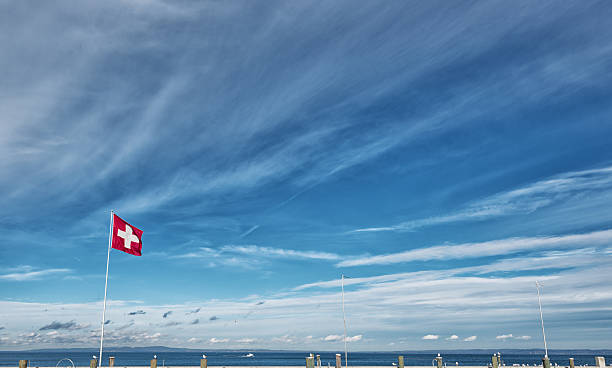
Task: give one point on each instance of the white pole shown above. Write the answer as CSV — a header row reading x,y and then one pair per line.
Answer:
x,y
110,236
344,318
538,286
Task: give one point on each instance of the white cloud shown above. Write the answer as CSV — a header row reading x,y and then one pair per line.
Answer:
x,y
332,338
193,340
488,248
340,338
470,338
430,337
354,338
524,337
215,340
504,337
452,337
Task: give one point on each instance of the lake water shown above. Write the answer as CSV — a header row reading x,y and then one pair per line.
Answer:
x,y
263,358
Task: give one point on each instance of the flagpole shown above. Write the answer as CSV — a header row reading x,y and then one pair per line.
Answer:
x,y
538,286
344,318
110,235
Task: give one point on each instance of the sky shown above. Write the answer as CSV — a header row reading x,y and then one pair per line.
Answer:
x,y
443,156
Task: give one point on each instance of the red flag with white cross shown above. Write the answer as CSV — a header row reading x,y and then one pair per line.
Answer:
x,y
126,237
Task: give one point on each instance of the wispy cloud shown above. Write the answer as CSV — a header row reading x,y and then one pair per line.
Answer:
x,y
470,338
244,255
452,337
279,252
430,337
526,199
484,249
29,273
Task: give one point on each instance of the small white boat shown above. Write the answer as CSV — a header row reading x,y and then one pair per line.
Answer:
x,y
249,355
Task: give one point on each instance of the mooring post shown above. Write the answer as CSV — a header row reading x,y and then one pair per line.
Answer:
x,y
571,362
318,361
494,362
154,363
203,362
400,361
93,363
309,362
111,361
545,362
600,361
338,361
23,364
439,361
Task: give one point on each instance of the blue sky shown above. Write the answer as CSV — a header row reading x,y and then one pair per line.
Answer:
x,y
444,156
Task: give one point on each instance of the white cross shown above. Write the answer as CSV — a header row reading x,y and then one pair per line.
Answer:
x,y
127,236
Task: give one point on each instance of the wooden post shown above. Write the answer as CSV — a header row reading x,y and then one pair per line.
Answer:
x,y
154,363
439,361
204,363
494,362
400,361
571,363
93,363
23,364
545,362
309,362
318,361
600,361
338,361
111,361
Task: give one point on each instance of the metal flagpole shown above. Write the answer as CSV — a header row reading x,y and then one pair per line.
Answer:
x,y
344,318
110,236
538,286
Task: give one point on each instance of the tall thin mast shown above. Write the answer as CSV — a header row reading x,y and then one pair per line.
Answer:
x,y
538,286
110,235
344,318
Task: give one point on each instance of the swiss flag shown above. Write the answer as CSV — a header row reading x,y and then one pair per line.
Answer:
x,y
126,237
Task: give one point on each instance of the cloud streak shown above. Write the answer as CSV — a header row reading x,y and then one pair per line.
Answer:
x,y
485,249
28,273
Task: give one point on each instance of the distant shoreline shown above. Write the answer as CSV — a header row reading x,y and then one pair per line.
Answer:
x,y
164,349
